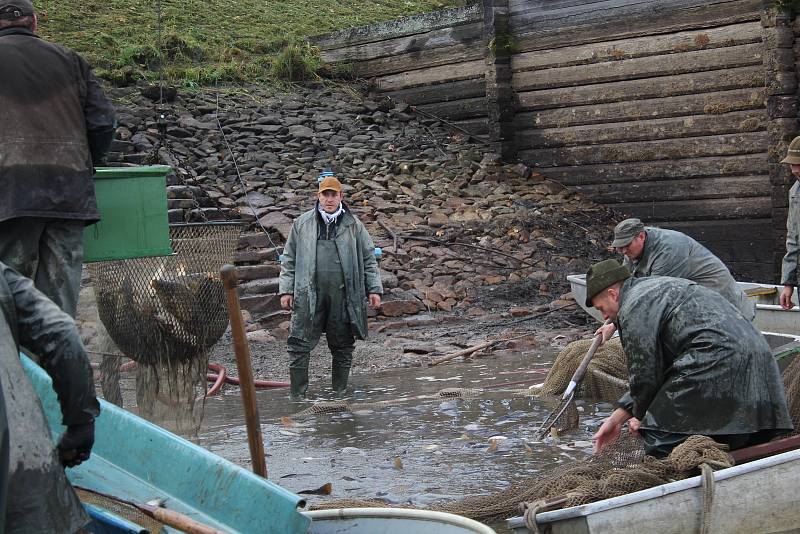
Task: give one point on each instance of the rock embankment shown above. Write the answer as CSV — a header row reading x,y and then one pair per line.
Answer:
x,y
460,231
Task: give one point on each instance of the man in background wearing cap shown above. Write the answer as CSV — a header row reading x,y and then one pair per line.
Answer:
x,y
652,251
789,272
695,364
55,124
328,272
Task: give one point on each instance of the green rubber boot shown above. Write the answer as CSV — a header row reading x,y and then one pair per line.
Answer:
x,y
298,378
339,376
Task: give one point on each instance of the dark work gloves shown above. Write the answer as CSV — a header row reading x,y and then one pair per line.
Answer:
x,y
75,444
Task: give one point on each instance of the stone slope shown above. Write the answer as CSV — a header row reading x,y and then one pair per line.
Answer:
x,y
473,234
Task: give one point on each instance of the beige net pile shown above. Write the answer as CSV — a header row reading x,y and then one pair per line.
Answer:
x,y
619,469
165,313
605,378
791,383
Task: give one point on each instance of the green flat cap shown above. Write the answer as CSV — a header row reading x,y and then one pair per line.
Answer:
x,y
625,231
603,274
793,154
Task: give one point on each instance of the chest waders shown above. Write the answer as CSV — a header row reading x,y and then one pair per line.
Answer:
x,y
331,317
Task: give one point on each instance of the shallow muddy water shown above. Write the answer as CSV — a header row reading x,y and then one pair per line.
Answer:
x,y
416,451
412,451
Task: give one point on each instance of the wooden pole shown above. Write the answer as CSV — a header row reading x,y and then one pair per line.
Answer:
x,y
242,350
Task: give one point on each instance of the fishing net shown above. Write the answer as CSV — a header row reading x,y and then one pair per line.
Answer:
x,y
791,383
608,361
165,313
121,509
620,468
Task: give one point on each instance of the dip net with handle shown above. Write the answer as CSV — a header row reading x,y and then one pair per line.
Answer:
x,y
620,468
166,313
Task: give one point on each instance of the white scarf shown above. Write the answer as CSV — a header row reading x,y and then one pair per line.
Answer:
x,y
330,217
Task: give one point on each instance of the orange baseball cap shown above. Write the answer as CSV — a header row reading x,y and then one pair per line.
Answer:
x,y
330,183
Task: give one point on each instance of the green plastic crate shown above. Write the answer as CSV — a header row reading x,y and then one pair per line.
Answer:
x,y
133,210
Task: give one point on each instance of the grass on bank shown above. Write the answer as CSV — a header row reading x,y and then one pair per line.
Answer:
x,y
204,42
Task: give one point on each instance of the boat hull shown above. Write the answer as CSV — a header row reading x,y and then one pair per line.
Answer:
x,y
759,496
135,460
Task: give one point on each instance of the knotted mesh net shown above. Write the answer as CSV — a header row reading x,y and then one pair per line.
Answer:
x,y
165,313
620,468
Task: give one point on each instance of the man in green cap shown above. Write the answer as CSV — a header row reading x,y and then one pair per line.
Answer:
x,y
789,272
328,273
650,251
695,364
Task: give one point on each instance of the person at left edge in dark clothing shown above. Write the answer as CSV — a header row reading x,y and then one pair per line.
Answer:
x,y
39,496
55,126
328,274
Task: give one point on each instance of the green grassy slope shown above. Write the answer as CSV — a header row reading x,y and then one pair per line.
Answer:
x,y
204,41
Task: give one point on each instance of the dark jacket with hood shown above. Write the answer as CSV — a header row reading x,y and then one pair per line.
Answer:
x,y
55,125
695,364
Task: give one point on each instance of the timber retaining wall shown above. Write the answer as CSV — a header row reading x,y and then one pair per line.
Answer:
x,y
675,111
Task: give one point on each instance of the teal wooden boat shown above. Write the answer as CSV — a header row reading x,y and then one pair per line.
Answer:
x,y
137,461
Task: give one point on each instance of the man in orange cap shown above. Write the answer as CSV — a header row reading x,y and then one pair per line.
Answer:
x,y
328,273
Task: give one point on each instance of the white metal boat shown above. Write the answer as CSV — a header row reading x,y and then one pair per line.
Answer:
x,y
770,317
759,496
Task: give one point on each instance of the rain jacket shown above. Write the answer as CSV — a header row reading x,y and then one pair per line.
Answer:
x,y
298,270
671,253
56,124
41,499
789,274
695,365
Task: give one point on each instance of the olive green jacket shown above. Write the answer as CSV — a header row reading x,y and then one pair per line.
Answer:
x,y
359,267
671,253
695,365
789,274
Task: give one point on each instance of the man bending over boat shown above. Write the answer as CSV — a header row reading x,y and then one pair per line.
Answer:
x,y
40,498
649,251
695,364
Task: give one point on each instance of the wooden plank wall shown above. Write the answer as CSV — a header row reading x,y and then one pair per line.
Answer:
x,y
433,61
655,108
675,111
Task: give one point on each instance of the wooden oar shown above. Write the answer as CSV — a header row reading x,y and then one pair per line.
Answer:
x,y
171,518
242,350
569,392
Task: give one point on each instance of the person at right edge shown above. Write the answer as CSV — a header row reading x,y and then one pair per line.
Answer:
x,y
39,498
696,365
789,272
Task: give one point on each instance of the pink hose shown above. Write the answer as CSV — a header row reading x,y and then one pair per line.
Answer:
x,y
260,384
219,378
